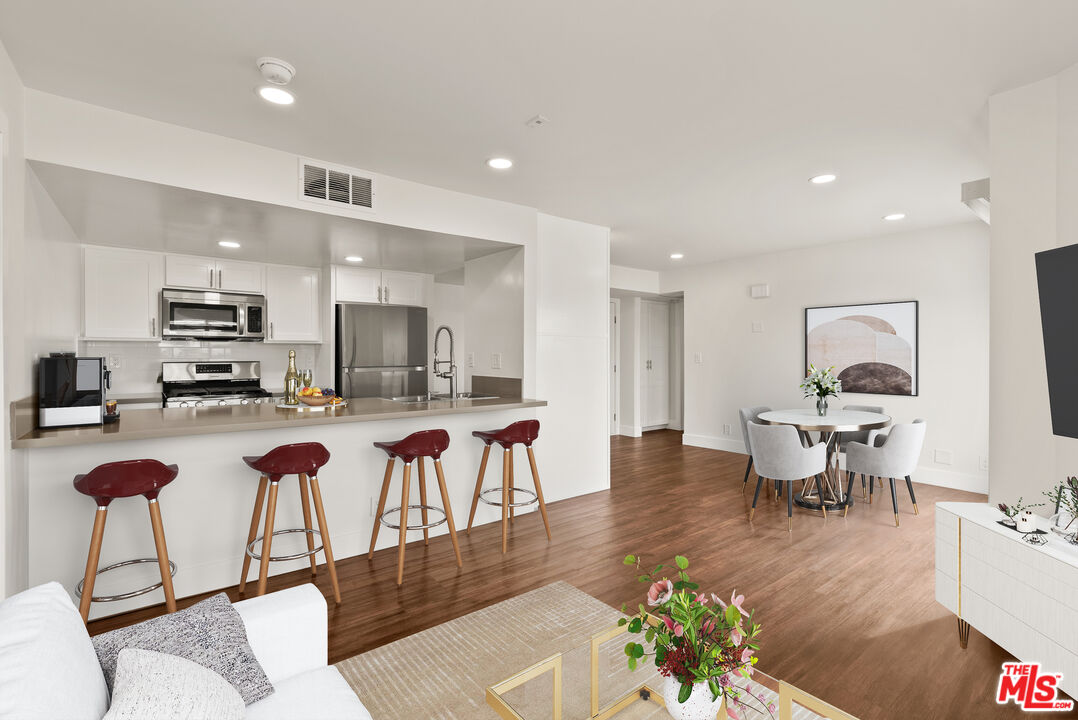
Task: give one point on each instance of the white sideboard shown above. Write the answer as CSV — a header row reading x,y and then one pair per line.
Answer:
x,y
1022,597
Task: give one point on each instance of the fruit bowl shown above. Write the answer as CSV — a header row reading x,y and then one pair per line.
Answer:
x,y
315,400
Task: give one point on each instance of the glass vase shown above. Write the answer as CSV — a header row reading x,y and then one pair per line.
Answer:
x,y
821,406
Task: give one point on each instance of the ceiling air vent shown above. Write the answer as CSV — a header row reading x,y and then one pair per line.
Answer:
x,y
335,185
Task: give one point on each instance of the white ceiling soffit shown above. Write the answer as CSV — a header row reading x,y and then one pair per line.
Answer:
x,y
121,212
689,126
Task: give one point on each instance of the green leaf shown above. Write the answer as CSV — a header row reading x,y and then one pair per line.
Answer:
x,y
682,562
630,560
638,651
632,663
649,636
622,621
634,625
644,578
629,649
684,693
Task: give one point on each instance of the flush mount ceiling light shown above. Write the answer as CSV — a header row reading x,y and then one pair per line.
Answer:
x,y
276,95
278,73
823,179
228,243
500,163
676,256
895,216
354,258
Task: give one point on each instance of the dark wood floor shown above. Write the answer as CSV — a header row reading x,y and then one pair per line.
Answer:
x,y
847,606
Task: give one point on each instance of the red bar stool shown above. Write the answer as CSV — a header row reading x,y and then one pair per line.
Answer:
x,y
304,460
417,446
523,432
124,479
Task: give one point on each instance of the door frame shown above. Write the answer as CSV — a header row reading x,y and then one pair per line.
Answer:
x,y
614,367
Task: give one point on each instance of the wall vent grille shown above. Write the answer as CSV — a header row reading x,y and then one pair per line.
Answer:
x,y
336,186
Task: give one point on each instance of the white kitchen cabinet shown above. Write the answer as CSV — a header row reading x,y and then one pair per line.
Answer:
x,y
189,271
655,377
384,287
293,304
121,291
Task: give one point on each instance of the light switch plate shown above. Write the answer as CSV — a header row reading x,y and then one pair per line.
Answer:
x,y
944,457
698,358
495,361
726,429
115,361
757,326
471,359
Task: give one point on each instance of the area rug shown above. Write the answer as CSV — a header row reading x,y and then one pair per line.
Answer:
x,y
442,673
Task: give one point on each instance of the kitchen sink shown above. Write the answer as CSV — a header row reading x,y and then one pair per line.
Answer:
x,y
466,396
410,398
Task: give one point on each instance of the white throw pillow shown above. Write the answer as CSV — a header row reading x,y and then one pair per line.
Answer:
x,y
48,667
168,687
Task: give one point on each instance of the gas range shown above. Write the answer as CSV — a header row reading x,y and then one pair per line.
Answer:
x,y
202,384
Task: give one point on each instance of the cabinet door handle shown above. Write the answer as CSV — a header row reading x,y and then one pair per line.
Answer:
x,y
211,277
271,331
379,293
153,327
220,279
387,293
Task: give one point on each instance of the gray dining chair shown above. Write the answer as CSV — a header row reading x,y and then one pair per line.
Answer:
x,y
749,414
778,455
893,455
860,436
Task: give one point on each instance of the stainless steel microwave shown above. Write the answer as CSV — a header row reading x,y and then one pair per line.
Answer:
x,y
203,315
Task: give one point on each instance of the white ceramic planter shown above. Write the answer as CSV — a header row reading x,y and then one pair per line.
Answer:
x,y
699,706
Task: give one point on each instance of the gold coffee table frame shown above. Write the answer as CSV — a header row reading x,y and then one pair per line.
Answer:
x,y
788,694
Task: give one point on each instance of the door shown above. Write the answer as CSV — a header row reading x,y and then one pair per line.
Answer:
x,y
615,345
357,285
233,276
402,288
655,343
186,271
293,304
121,290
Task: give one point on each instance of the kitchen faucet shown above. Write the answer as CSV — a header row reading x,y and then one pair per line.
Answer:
x,y
451,373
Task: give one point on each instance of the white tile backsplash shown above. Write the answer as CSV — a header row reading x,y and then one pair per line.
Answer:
x,y
140,363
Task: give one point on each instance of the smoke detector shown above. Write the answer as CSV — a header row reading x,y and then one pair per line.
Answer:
x,y
276,71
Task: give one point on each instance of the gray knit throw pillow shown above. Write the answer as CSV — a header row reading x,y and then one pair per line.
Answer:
x,y
210,633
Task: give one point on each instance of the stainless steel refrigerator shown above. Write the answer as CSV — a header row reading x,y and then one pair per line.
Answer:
x,y
381,351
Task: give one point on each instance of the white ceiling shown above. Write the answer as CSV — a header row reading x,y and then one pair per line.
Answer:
x,y
689,125
120,212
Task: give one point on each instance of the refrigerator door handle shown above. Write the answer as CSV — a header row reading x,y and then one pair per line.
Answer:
x,y
384,368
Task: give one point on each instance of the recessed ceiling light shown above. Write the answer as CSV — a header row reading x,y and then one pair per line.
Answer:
x,y
676,256
894,216
354,258
276,95
228,243
500,163
823,179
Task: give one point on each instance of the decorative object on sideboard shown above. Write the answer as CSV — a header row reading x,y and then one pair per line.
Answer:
x,y
699,647
821,384
1011,512
1025,522
872,347
1065,499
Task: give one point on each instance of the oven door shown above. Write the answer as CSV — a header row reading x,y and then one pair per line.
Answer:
x,y
200,315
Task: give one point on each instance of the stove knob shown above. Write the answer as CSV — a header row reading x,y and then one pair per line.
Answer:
x,y
222,402
245,401
199,403
184,404
258,401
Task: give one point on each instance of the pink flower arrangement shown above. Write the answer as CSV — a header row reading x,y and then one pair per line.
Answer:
x,y
696,642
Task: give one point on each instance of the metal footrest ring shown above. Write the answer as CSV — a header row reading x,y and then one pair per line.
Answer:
x,y
422,526
133,593
534,498
279,558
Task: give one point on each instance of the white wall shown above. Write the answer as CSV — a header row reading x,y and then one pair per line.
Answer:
x,y
634,279
946,269
1034,170
629,381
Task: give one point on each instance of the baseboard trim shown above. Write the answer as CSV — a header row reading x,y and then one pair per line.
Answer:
x,y
630,431
714,443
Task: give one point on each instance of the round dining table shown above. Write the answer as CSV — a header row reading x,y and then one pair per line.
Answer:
x,y
829,495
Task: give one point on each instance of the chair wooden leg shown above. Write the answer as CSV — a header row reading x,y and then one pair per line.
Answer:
x,y
404,523
756,496
819,491
91,562
894,500
381,506
162,555
748,469
539,491
267,537
421,463
913,498
448,510
505,500
260,498
324,530
849,490
512,486
478,487
305,500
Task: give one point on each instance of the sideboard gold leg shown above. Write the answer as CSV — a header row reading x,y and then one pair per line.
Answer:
x,y
963,633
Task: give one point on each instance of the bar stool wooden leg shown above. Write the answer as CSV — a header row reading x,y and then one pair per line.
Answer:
x,y
539,491
478,486
260,497
324,529
381,505
404,522
305,500
421,463
162,555
512,486
448,510
505,500
91,562
267,538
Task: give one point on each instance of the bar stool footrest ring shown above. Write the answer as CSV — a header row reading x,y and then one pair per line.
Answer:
x,y
497,503
133,593
421,526
279,558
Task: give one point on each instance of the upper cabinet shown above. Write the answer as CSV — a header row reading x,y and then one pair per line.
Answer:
x,y
385,287
293,304
188,271
121,289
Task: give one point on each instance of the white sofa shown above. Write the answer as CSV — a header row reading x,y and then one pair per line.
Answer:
x,y
48,668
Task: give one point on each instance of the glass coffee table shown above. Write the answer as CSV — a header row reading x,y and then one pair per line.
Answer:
x,y
592,681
